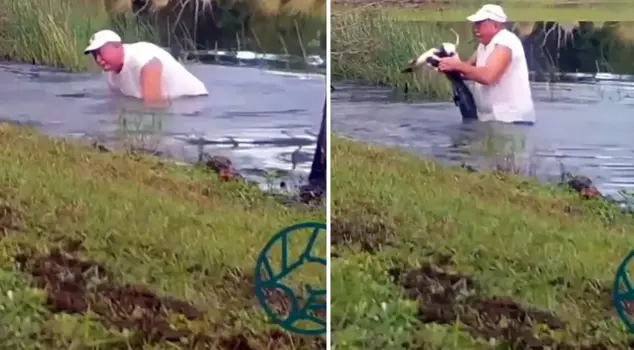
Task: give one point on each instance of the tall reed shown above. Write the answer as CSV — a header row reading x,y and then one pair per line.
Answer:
x,y
55,32
374,47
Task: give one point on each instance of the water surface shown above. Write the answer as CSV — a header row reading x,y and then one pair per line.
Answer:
x,y
264,120
586,126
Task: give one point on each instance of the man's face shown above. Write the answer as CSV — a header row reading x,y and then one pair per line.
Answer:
x,y
109,57
485,31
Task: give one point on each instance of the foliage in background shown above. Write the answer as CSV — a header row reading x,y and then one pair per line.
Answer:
x,y
55,32
373,46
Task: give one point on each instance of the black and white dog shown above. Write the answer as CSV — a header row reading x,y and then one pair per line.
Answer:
x,y
462,96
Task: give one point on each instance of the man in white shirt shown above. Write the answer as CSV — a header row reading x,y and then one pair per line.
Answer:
x,y
498,69
142,70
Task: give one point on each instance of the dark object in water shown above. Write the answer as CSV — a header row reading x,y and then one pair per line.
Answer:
x,y
317,177
462,96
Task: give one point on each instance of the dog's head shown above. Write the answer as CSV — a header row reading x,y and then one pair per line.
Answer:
x,y
432,57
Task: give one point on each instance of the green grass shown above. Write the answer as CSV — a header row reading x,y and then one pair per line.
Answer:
x,y
540,246
179,231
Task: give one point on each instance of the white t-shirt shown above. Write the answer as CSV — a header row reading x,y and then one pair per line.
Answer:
x,y
176,80
509,100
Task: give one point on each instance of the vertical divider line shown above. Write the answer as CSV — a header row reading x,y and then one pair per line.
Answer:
x,y
328,173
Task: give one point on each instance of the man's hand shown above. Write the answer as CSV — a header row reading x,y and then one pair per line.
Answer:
x,y
448,64
151,84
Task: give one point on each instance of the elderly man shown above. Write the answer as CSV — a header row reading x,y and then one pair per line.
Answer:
x,y
498,68
142,70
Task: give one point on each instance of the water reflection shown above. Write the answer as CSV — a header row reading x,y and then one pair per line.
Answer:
x,y
262,120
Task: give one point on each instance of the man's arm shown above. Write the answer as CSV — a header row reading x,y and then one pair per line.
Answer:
x,y
497,63
151,82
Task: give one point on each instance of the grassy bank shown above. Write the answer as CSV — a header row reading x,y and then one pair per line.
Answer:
x,y
374,46
55,32
430,257
105,251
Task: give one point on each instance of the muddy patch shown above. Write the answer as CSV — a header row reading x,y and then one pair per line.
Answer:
x,y
448,298
236,283
11,220
76,286
371,236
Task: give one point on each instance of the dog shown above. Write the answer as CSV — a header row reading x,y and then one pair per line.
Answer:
x,y
462,96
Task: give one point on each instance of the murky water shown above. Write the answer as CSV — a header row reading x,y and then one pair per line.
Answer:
x,y
263,120
586,126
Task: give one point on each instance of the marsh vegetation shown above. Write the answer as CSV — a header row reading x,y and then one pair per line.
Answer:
x,y
373,46
55,32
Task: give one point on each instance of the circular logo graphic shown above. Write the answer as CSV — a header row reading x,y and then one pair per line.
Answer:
x,y
304,313
623,293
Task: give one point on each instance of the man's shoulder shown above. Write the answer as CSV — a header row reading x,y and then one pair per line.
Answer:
x,y
506,37
142,52
143,46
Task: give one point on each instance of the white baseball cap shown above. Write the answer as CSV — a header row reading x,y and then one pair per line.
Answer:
x,y
101,38
489,12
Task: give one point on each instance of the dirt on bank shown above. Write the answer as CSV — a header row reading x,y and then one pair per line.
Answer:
x,y
76,286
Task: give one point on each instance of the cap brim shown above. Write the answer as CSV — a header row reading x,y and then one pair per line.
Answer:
x,y
476,18
93,47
